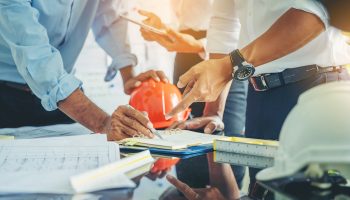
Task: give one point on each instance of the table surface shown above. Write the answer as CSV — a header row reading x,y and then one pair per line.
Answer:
x,y
151,186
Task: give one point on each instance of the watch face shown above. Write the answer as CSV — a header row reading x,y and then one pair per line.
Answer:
x,y
244,72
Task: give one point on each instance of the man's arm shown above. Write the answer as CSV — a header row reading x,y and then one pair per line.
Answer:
x,y
78,107
291,31
41,66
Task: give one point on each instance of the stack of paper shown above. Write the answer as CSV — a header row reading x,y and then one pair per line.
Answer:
x,y
177,139
46,165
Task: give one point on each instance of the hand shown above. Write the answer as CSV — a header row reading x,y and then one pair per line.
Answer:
x,y
134,82
211,193
155,174
152,20
209,123
180,42
204,82
127,122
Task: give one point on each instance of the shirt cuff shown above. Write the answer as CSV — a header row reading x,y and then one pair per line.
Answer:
x,y
204,54
123,60
313,7
65,86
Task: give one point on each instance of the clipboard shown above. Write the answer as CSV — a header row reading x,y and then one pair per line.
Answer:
x,y
160,32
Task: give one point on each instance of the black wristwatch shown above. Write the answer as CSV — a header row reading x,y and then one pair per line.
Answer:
x,y
242,70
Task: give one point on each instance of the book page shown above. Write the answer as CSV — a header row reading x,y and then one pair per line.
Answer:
x,y
174,139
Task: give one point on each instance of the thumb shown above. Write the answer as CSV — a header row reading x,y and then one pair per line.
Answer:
x,y
131,85
213,126
145,13
173,34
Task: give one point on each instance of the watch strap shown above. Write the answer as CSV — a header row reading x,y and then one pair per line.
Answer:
x,y
236,58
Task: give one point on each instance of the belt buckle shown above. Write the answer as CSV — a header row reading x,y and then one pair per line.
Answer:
x,y
263,83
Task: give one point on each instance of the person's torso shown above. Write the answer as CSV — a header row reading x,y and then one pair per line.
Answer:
x,y
193,14
256,17
67,23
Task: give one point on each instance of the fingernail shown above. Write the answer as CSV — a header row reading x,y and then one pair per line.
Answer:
x,y
166,80
149,125
157,79
138,83
207,130
170,177
180,85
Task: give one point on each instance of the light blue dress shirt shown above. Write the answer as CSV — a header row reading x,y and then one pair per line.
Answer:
x,y
40,41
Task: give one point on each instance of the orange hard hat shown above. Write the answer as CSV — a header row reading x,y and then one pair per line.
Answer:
x,y
157,99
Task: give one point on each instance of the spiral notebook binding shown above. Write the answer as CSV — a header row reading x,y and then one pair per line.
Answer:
x,y
165,132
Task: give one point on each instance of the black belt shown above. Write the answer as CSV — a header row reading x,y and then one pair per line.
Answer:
x,y
265,82
18,86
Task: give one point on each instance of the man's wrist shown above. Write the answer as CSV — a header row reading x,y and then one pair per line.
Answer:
x,y
107,124
227,66
127,73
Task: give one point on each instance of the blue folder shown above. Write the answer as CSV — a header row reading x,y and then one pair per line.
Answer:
x,y
194,150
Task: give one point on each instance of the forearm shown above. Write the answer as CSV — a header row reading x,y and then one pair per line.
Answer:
x,y
217,107
221,176
127,73
291,31
78,107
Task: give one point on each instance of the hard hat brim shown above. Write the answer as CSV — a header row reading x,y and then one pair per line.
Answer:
x,y
272,173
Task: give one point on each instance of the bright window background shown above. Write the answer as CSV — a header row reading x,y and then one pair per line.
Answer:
x,y
93,61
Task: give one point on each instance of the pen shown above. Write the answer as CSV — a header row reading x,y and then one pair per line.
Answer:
x,y
155,132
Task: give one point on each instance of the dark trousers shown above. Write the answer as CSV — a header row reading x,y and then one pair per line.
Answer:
x,y
266,111
22,108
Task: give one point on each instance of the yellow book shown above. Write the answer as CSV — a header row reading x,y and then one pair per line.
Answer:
x,y
7,137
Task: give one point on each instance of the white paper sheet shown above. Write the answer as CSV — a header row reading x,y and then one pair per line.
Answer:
x,y
45,165
46,131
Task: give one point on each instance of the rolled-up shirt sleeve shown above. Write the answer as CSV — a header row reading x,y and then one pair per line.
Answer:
x,y
111,34
39,63
224,27
314,7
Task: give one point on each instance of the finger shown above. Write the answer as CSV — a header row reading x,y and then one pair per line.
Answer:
x,y
162,174
182,105
175,35
131,132
174,125
196,123
146,13
166,42
153,74
162,76
213,126
186,78
182,187
147,35
140,117
130,85
134,128
149,74
189,87
116,134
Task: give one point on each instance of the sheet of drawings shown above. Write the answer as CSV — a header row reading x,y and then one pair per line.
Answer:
x,y
75,153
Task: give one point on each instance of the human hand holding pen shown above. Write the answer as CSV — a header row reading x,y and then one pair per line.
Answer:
x,y
150,125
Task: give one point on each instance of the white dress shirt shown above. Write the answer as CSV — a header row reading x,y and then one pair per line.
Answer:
x,y
192,14
330,48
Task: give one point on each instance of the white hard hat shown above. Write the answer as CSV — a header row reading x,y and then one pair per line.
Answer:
x,y
316,132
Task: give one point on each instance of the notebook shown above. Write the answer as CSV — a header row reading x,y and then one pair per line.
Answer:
x,y
172,139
